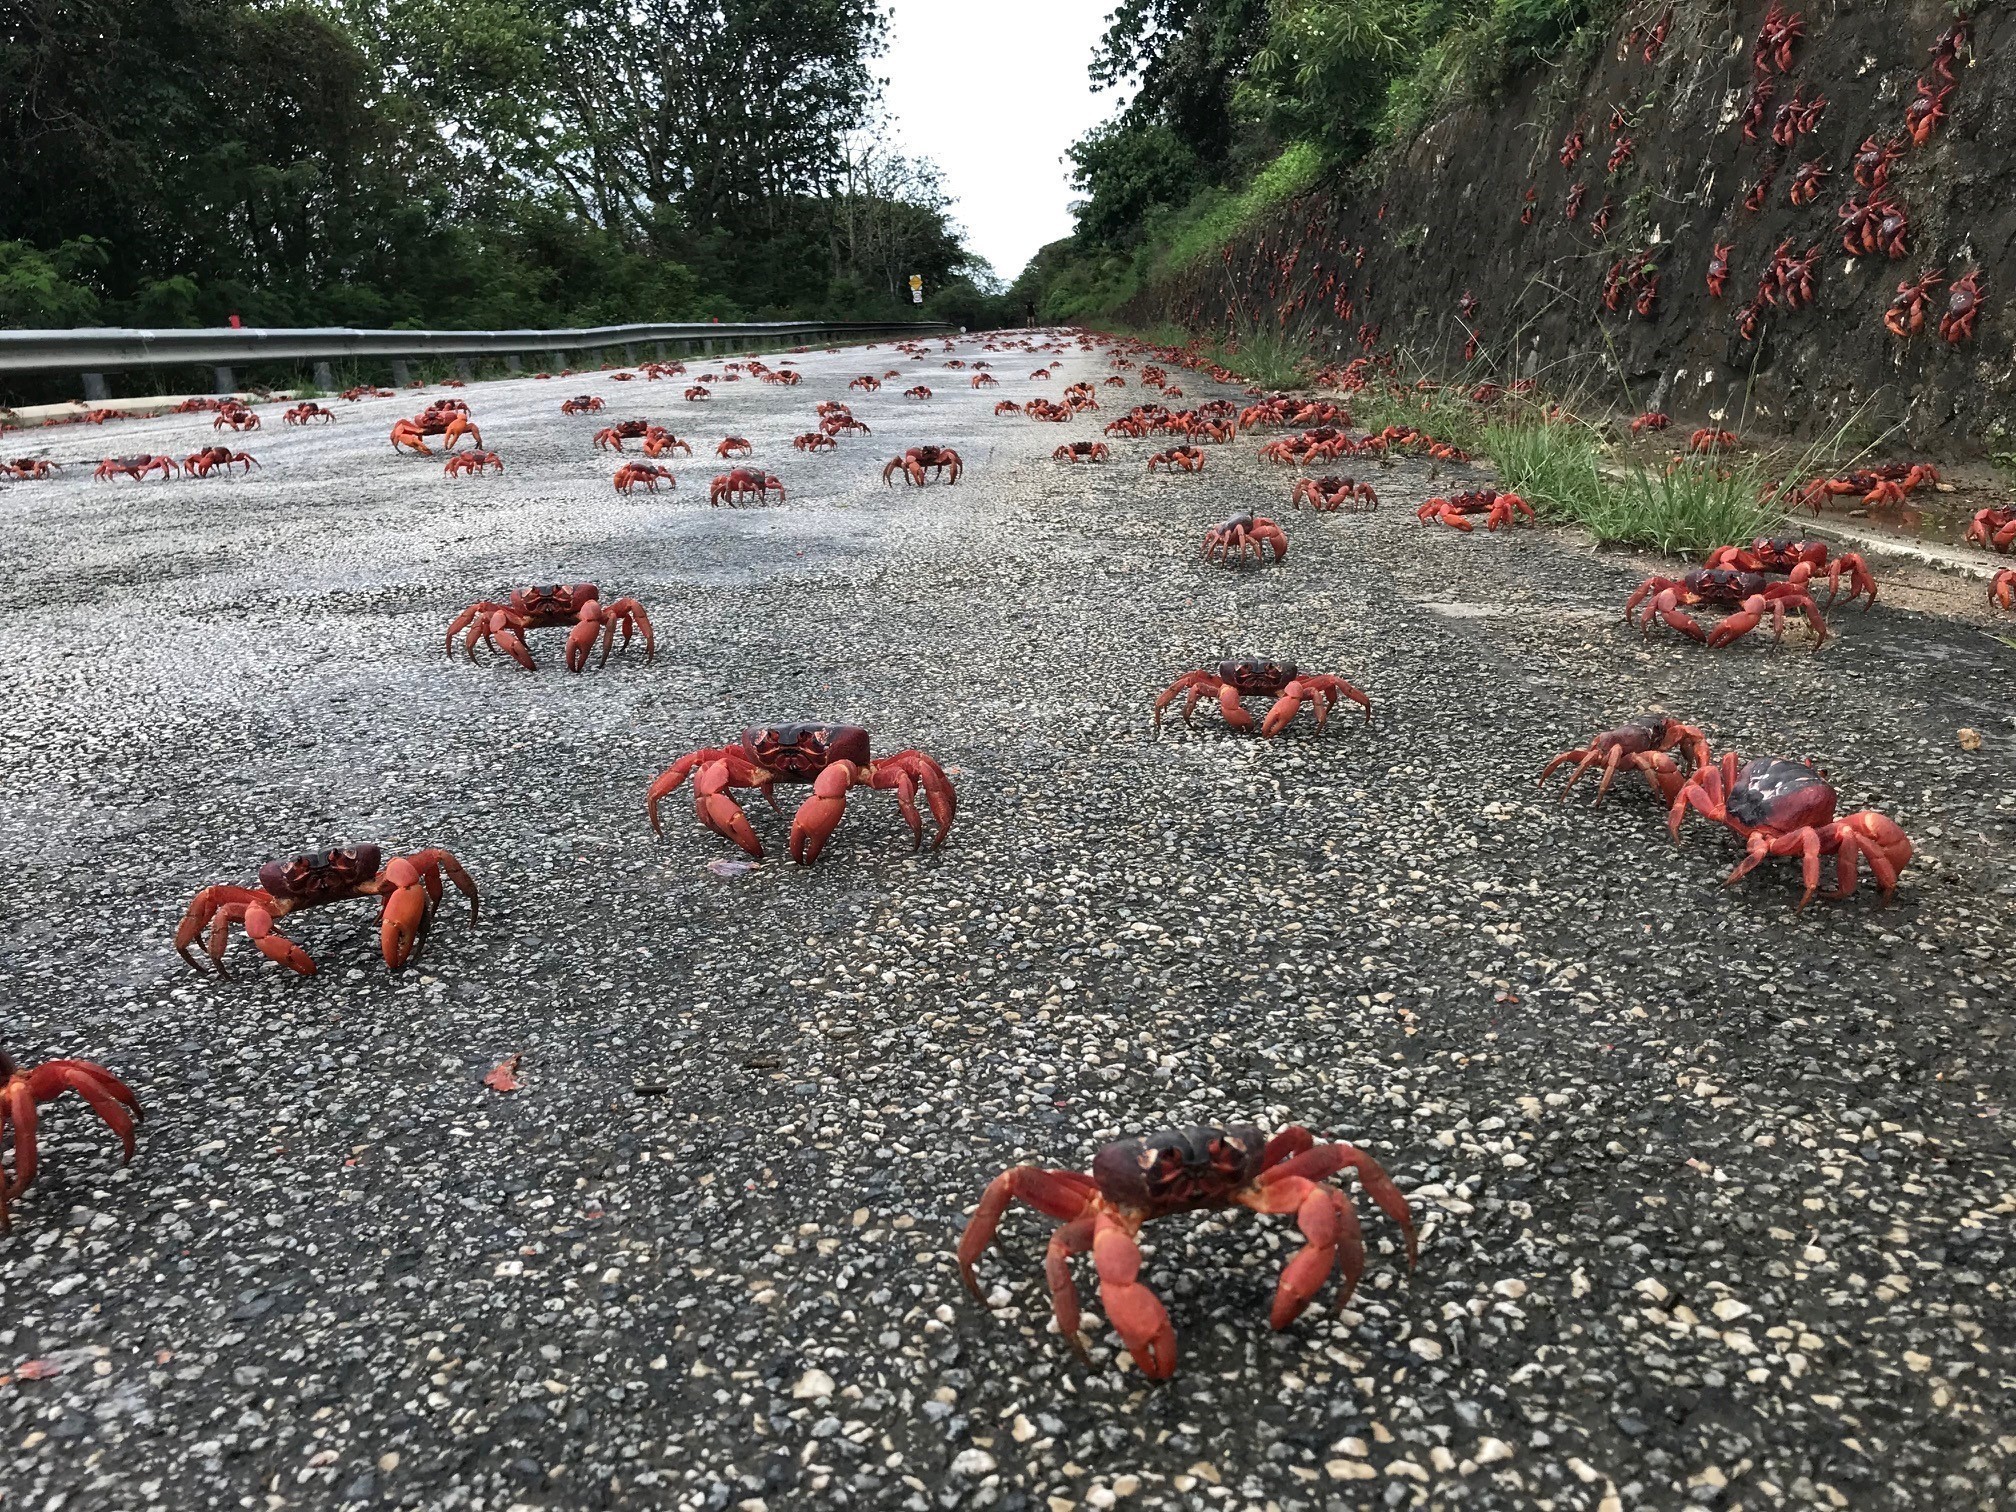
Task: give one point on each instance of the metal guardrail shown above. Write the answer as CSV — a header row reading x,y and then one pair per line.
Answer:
x,y
110,349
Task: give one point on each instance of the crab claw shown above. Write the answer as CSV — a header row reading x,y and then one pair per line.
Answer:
x,y
818,816
404,918
1135,1312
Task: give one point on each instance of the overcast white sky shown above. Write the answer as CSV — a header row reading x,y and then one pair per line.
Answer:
x,y
993,94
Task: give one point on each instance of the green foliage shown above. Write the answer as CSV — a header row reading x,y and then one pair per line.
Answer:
x,y
1689,507
39,288
1213,218
453,162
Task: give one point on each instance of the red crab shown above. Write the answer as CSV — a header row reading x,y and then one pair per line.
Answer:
x,y
1806,182
1759,192
1888,484
1133,1181
235,416
136,468
1775,40
1643,744
919,392
985,380
658,441
1873,161
1080,451
2002,592
833,758
744,483
409,888
1007,407
1599,223
1788,276
1947,49
1655,40
581,404
1799,562
919,460
1875,225
1189,458
844,425
1571,147
1752,119
735,446
1652,420
503,626
1497,508
697,394
1331,494
868,383
24,1089
306,411
1572,206
28,468
612,437
472,462
1750,595
450,425
1231,541
1620,154
814,441
1923,115
1786,808
1963,308
1709,439
1526,214
632,474
1797,116
206,460
1259,677
1906,316
1718,269
1994,529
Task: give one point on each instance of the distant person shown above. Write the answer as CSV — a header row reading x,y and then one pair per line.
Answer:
x,y
1029,314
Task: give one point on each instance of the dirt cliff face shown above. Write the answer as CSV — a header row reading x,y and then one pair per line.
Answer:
x,y
1742,128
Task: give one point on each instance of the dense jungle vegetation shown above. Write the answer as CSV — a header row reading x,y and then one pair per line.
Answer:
x,y
458,163
1239,105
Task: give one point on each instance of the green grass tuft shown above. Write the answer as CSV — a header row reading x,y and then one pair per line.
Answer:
x,y
1689,508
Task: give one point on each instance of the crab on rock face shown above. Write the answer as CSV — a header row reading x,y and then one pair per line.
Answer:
x,y
1205,1168
833,758
1261,677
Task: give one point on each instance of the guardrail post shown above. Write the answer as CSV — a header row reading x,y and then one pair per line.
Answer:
x,y
629,355
95,391
659,348
222,381
401,373
325,377
512,364
463,369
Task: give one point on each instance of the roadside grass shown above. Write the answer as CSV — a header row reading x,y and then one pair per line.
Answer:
x,y
1267,359
1689,507
1447,414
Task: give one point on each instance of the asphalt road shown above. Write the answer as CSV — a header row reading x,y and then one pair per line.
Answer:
x,y
1715,1197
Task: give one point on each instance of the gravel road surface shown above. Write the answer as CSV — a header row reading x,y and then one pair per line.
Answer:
x,y
1715,1197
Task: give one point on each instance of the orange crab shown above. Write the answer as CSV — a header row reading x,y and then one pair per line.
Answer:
x,y
1135,1181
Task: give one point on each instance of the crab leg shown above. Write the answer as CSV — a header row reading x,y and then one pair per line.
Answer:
x,y
1329,1224
1063,1195
502,632
274,946
1323,1161
1074,1238
1228,699
818,816
1194,682
589,625
1135,1312
906,771
204,907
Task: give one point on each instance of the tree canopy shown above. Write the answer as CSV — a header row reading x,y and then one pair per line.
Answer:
x,y
456,162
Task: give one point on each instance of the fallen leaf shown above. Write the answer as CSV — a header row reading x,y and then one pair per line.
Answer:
x,y
1970,739
722,868
503,1077
38,1370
